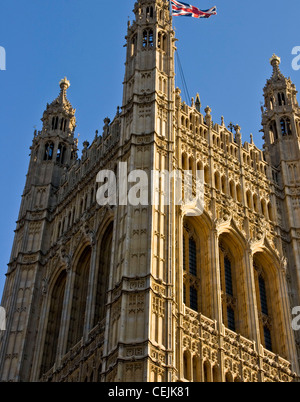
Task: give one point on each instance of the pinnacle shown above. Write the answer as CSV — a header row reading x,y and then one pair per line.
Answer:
x,y
275,62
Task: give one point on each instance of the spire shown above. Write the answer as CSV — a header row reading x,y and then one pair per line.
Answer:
x,y
61,101
198,103
60,110
64,85
275,62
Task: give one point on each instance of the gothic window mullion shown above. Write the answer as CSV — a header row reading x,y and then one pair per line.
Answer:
x,y
191,281
228,299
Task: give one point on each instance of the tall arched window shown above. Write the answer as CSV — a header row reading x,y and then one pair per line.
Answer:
x,y
281,99
148,38
273,132
229,299
61,151
103,274
149,12
265,320
191,270
49,148
286,128
54,323
54,123
80,289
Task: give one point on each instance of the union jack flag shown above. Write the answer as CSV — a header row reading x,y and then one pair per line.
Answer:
x,y
187,10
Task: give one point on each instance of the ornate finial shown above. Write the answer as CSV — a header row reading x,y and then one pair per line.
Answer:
x,y
208,117
64,84
198,103
207,110
238,136
237,128
86,144
231,126
275,60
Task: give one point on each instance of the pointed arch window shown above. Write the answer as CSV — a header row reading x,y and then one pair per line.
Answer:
x,y
286,128
263,305
149,12
54,323
63,124
103,274
281,99
273,132
61,151
80,291
49,148
148,38
191,285
229,300
54,123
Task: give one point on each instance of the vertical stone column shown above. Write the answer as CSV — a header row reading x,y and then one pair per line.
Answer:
x,y
67,306
287,323
92,288
217,295
216,278
251,301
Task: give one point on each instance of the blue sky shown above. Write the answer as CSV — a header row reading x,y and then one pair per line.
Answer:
x,y
225,59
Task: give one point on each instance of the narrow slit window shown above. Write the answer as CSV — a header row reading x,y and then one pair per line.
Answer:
x,y
193,299
263,295
184,253
145,39
192,257
230,319
228,276
151,40
268,338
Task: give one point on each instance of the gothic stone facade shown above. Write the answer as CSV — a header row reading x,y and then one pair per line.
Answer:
x,y
147,292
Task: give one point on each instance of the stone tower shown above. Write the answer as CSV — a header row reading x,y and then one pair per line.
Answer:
x,y
141,285
145,290
53,150
281,127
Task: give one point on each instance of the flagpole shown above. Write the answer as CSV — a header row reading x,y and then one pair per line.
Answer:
x,y
174,61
